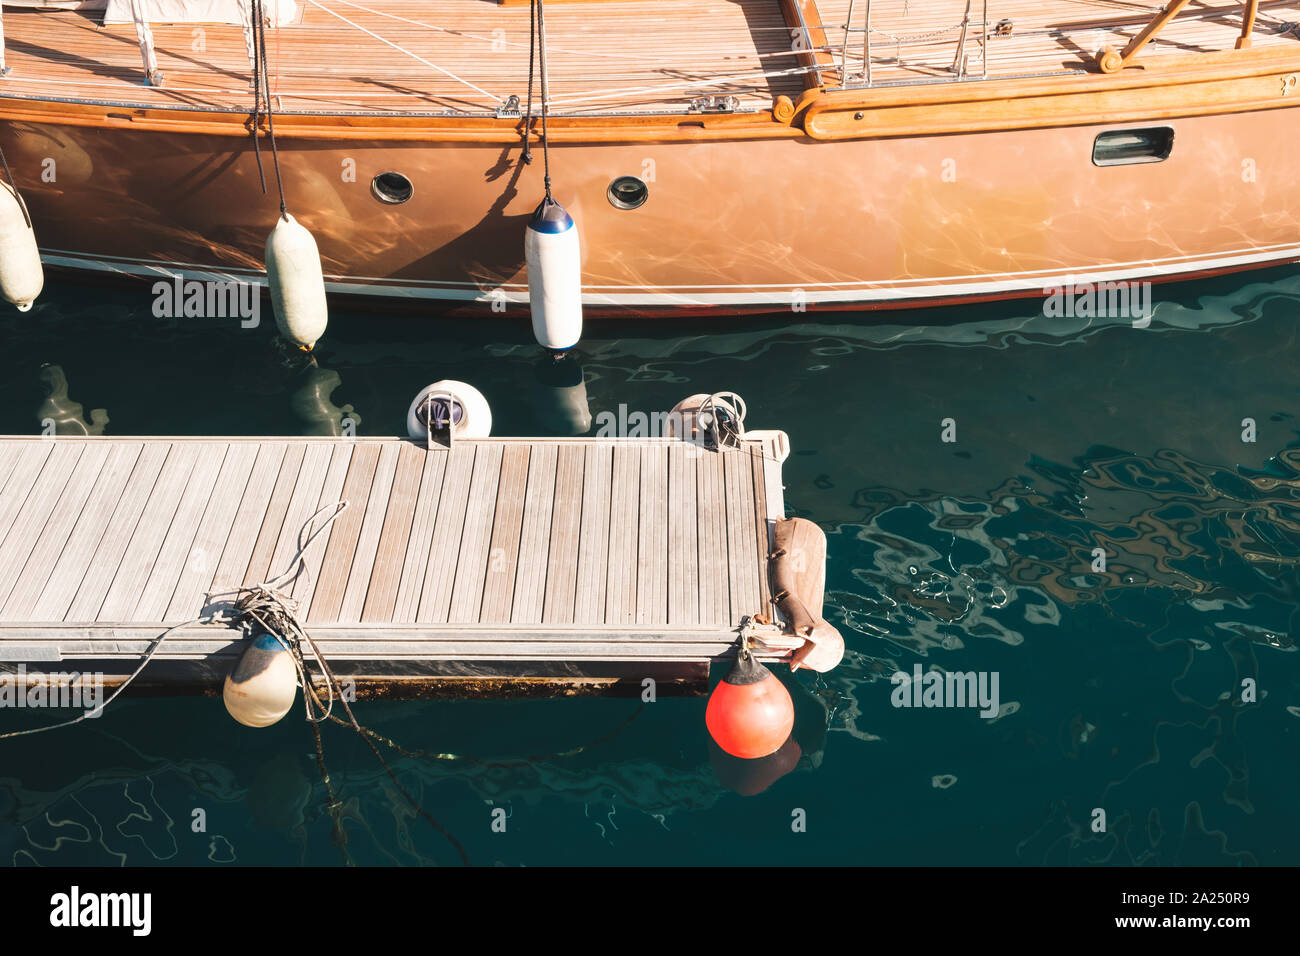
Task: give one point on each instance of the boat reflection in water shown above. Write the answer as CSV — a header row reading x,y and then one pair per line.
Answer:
x,y
312,405
561,395
58,414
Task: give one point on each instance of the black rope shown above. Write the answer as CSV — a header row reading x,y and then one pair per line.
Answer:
x,y
546,95
265,608
255,13
335,805
496,764
270,113
528,114
17,195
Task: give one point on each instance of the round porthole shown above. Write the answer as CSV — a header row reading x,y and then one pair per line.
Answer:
x,y
392,188
627,192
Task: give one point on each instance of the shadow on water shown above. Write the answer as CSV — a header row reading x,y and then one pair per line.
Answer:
x,y
1098,535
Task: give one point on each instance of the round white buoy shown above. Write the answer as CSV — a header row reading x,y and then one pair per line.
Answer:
x,y
446,401
263,685
703,418
683,420
297,284
554,258
21,275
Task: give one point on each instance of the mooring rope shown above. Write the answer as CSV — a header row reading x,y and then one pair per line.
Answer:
x,y
276,613
270,112
253,14
500,764
261,85
267,587
528,113
546,97
99,710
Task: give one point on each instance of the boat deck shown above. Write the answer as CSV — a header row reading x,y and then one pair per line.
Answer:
x,y
602,57
914,42
539,554
467,56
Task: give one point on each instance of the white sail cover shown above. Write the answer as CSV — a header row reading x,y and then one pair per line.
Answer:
x,y
280,12
58,4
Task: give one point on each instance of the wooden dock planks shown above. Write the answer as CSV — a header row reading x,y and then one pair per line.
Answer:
x,y
505,549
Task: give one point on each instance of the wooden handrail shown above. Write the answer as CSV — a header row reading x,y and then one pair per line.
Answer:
x,y
1109,61
1247,24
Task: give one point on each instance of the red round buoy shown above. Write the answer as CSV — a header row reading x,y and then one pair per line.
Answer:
x,y
750,713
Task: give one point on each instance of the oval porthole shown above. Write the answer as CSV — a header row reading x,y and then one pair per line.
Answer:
x,y
392,188
627,192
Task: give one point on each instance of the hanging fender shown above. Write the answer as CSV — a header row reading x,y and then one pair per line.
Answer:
x,y
797,572
554,257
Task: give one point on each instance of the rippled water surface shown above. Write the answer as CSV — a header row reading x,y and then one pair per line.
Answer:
x,y
1120,690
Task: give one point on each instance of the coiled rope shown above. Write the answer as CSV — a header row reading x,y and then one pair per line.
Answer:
x,y
275,612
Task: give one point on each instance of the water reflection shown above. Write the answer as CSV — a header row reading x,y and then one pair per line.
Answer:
x,y
561,395
58,414
1121,685
313,407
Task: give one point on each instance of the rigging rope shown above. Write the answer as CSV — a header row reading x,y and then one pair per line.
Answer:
x,y
433,66
546,98
537,28
257,89
528,114
728,53
262,85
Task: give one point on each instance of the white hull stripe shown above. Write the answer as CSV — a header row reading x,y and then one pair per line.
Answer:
x,y
758,295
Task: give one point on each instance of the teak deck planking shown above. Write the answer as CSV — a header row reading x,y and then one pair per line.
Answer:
x,y
607,57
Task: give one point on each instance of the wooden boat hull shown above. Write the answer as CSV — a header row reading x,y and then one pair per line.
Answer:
x,y
754,224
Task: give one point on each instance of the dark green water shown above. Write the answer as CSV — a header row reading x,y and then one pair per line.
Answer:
x,y
1120,690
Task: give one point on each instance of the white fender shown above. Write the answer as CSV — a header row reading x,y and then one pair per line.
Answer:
x,y
21,275
263,685
554,258
694,415
475,419
683,420
297,284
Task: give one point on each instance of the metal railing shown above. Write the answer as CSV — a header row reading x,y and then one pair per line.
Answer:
x,y
964,29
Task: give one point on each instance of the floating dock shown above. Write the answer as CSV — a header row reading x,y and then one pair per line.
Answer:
x,y
488,567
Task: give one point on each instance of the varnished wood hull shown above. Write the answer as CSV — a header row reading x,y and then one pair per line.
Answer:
x,y
743,216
